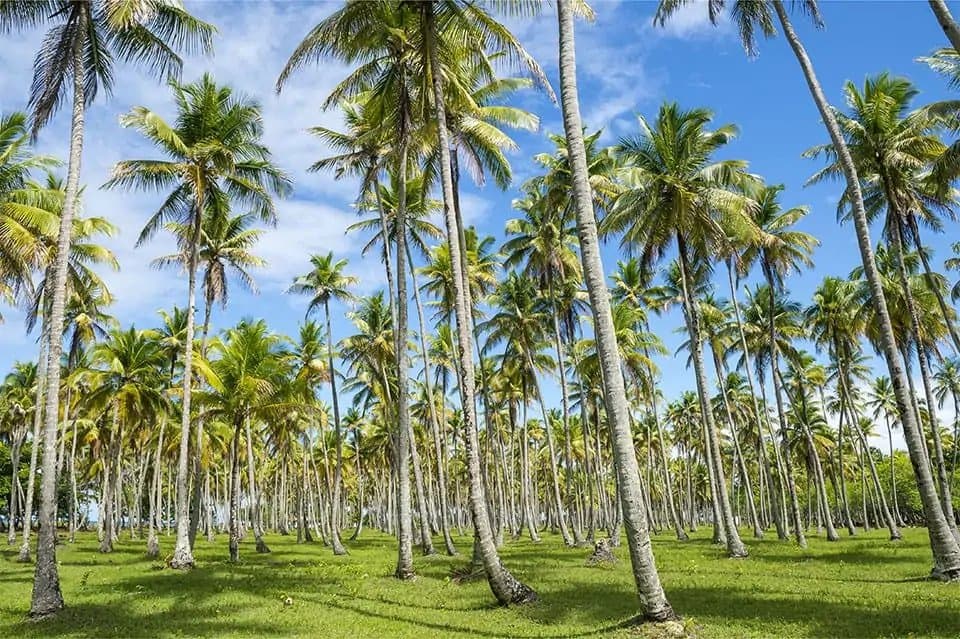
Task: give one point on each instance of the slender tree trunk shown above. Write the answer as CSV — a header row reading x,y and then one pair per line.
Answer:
x,y
943,544
947,23
647,580
235,494
405,537
47,598
735,547
335,526
35,444
506,588
182,552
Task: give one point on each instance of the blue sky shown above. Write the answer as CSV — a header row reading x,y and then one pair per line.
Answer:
x,y
626,67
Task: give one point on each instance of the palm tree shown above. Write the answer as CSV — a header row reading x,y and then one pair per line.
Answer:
x,y
324,282
752,17
647,580
83,41
892,150
25,216
18,390
688,199
247,378
128,386
942,12
214,156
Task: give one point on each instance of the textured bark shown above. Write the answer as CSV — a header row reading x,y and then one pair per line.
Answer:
x,y
947,23
404,507
506,588
182,552
946,552
47,598
234,543
654,601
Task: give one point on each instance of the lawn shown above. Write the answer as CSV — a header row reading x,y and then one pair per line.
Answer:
x,y
859,587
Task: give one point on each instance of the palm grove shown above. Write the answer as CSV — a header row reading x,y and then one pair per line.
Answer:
x,y
436,420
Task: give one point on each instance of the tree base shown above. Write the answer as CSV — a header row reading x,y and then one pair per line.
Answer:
x,y
262,547
405,574
602,554
182,559
24,556
153,547
945,576
523,594
682,535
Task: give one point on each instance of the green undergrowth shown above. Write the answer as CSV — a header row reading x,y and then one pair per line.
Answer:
x,y
863,586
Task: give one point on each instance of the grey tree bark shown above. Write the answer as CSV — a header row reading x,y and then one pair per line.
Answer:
x,y
506,588
647,579
47,598
947,23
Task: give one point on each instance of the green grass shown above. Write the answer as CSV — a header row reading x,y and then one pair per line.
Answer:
x,y
859,587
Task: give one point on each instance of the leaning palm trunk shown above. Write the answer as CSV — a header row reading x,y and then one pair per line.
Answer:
x,y
551,449
234,542
647,580
735,547
506,588
947,23
47,598
153,544
944,546
943,481
182,552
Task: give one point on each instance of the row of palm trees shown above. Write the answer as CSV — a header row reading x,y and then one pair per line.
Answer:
x,y
422,98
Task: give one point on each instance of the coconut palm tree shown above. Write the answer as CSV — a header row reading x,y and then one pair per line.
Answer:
x,y
759,17
884,403
325,281
647,580
77,58
688,199
213,156
247,379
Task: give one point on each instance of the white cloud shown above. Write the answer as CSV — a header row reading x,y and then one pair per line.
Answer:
x,y
692,20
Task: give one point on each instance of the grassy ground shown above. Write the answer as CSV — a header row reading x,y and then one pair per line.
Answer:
x,y
860,587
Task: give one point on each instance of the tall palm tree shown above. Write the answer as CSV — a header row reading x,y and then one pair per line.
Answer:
x,y
325,281
213,156
76,58
884,403
688,199
893,150
753,17
647,580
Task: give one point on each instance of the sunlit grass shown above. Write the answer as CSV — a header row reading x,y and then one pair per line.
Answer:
x,y
859,587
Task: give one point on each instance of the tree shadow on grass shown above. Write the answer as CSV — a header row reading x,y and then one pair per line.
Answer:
x,y
821,617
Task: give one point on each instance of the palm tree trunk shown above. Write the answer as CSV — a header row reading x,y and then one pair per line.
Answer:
x,y
845,503
947,23
47,598
943,544
254,495
182,552
945,311
740,463
337,544
735,547
405,537
506,588
551,449
943,481
153,544
654,601
235,494
432,414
